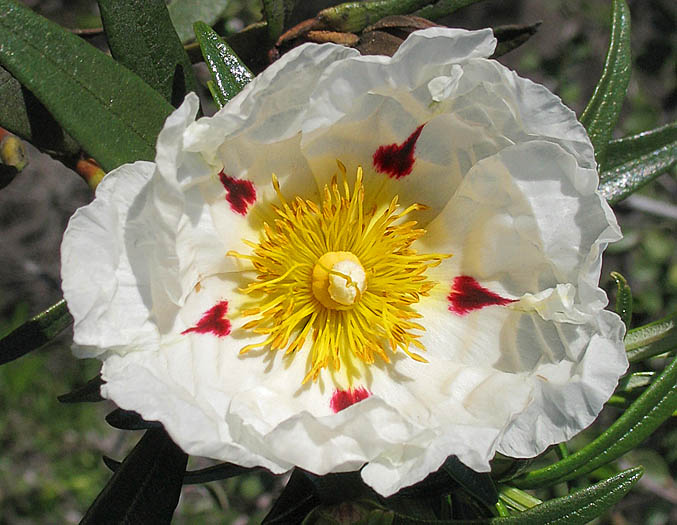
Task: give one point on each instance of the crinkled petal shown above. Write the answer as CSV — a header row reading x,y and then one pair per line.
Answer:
x,y
536,361
527,219
567,401
107,299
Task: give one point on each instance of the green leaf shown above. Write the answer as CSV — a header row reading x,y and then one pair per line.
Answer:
x,y
214,473
277,14
517,499
184,13
623,298
443,8
581,506
652,339
477,484
636,381
353,17
90,392
146,487
654,406
109,110
129,420
577,508
195,477
339,486
297,500
512,36
22,114
632,147
229,74
434,484
35,332
142,38
422,505
601,113
635,161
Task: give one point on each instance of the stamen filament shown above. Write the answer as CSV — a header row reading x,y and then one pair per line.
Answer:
x,y
378,314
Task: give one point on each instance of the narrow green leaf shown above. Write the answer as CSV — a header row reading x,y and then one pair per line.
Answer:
x,y
339,486
184,13
218,97
636,381
35,332
129,420
562,450
581,506
443,8
112,464
145,488
477,484
22,114
517,499
601,113
512,36
652,339
277,14
110,111
623,298
141,37
505,468
229,74
626,149
434,484
214,473
297,500
621,400
653,407
353,17
90,392
577,508
635,161
195,477
501,509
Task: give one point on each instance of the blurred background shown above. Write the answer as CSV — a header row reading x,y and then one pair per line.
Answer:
x,y
51,468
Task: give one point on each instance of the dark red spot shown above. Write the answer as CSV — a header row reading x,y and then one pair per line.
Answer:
x,y
213,321
344,398
397,160
467,295
240,193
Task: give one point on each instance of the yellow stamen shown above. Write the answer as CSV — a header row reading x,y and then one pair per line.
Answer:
x,y
347,274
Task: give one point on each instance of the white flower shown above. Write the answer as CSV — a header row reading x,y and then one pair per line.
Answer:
x,y
438,297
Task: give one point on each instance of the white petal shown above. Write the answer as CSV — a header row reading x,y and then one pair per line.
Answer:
x,y
528,219
108,300
271,108
539,114
434,46
565,403
550,387
443,87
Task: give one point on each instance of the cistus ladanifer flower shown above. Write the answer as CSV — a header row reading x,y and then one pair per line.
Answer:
x,y
359,262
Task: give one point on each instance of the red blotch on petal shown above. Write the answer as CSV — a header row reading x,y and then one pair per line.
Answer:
x,y
344,398
397,160
240,193
213,321
468,295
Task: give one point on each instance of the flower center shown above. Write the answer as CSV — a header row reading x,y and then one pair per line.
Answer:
x,y
338,280
345,276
